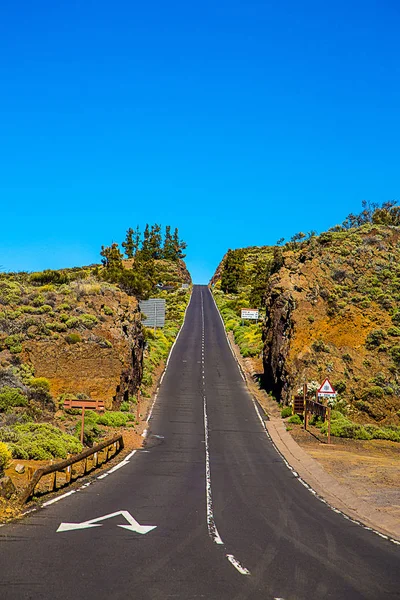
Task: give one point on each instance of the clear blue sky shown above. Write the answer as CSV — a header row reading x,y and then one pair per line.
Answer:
x,y
238,122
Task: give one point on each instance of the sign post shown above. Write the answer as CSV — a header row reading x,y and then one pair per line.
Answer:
x,y
82,424
326,392
92,404
249,313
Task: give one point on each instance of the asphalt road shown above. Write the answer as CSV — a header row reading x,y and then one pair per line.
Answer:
x,y
232,521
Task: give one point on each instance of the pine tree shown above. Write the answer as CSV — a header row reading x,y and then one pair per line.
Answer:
x,y
136,240
146,250
232,271
155,239
168,248
259,280
128,244
178,245
112,257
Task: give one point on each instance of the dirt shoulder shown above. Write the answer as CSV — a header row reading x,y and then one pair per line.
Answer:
x,y
360,478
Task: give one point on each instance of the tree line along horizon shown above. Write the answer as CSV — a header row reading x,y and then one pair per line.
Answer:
x,y
233,273
144,249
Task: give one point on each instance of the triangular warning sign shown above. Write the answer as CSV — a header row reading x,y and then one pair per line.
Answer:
x,y
326,388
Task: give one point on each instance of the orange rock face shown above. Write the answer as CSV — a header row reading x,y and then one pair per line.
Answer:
x,y
106,362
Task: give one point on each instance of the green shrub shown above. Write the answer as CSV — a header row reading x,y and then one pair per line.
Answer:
x,y
286,412
56,326
64,306
40,441
108,311
374,391
115,419
73,338
49,276
5,456
46,308
395,354
38,300
40,383
394,331
295,419
72,322
125,406
13,343
341,426
88,321
375,339
340,386
319,346
11,398
91,432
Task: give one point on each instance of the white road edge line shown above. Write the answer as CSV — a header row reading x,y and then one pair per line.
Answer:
x,y
54,500
144,434
295,474
237,565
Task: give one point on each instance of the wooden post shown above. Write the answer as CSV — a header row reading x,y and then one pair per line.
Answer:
x,y
329,424
30,473
54,482
292,405
95,459
82,424
138,406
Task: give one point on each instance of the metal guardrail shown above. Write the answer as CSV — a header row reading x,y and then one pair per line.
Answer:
x,y
116,442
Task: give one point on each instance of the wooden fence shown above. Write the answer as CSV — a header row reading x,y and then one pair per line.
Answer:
x,y
111,447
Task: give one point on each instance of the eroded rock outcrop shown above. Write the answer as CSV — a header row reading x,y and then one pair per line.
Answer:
x,y
106,361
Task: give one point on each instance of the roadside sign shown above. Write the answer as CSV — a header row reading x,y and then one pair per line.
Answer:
x,y
326,390
249,313
298,405
154,309
91,404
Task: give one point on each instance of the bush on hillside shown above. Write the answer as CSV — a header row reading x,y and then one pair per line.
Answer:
x,y
49,276
73,338
5,456
286,412
296,419
40,383
39,441
341,426
395,353
11,398
88,321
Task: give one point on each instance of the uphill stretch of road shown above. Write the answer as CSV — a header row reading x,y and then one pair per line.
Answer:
x,y
208,509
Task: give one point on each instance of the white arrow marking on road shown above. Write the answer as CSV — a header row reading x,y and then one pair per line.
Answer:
x,y
133,524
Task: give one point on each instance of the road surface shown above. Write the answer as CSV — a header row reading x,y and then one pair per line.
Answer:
x,y
231,520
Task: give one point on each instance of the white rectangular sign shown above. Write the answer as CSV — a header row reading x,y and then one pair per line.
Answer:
x,y
249,313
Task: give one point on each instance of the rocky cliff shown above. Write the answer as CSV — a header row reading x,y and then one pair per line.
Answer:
x,y
332,309
81,333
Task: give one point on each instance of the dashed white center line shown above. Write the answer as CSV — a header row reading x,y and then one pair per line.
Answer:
x,y
212,528
237,565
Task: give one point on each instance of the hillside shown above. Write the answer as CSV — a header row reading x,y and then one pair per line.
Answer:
x,y
73,333
331,307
